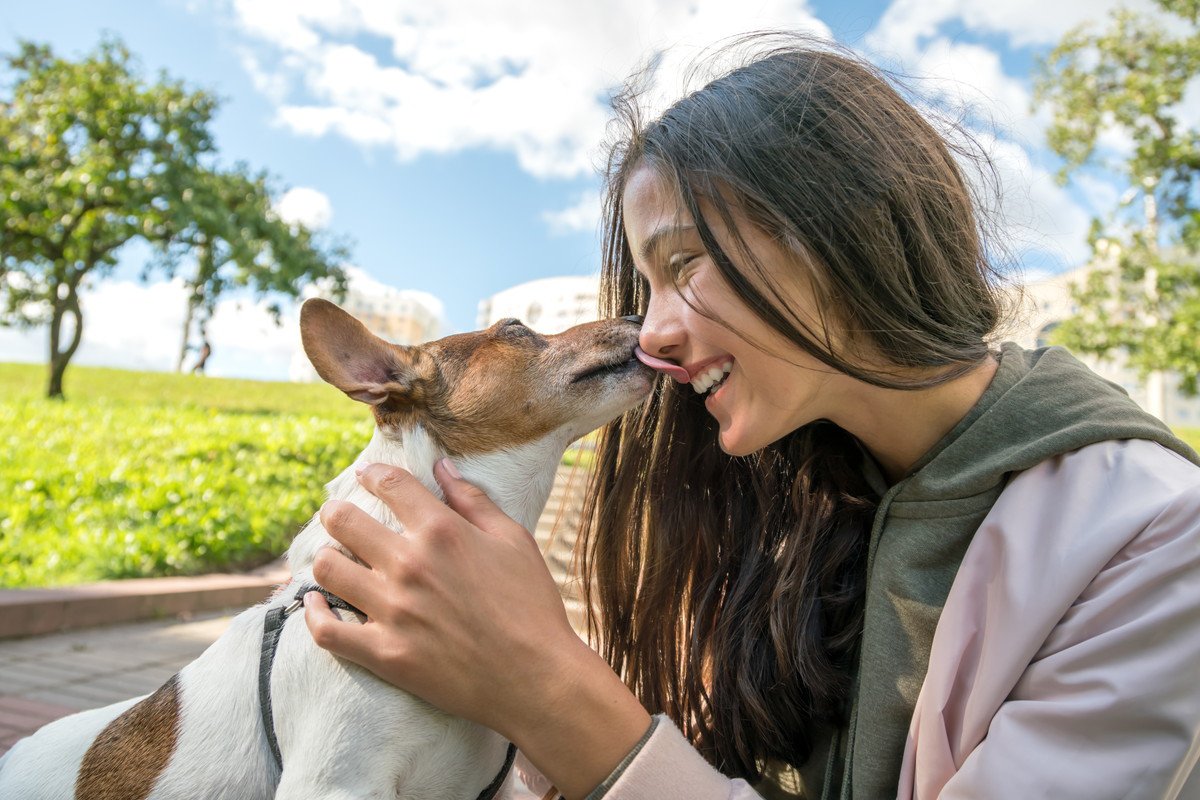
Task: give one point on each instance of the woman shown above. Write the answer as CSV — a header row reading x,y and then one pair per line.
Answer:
x,y
869,555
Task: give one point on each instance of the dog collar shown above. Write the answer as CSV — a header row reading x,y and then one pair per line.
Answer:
x,y
273,628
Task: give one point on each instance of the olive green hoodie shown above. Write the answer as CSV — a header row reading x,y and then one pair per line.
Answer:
x,y
1040,404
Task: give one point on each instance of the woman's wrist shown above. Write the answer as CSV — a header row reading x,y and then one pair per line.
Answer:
x,y
584,723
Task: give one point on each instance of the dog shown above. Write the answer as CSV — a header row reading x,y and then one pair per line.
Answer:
x,y
504,403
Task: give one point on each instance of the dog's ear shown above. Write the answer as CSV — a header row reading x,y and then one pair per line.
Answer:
x,y
350,357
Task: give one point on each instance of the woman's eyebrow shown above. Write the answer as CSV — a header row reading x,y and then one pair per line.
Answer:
x,y
655,240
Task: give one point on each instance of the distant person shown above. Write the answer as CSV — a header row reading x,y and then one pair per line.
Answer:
x,y
202,358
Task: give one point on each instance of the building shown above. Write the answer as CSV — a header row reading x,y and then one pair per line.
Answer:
x,y
400,316
548,305
1047,302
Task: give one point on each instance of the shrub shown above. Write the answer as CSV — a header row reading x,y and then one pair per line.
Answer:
x,y
142,474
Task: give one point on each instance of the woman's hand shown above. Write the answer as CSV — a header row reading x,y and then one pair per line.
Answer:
x,y
462,612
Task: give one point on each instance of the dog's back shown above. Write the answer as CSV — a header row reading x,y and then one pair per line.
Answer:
x,y
122,750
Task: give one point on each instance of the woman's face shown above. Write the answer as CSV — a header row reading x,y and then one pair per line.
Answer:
x,y
772,387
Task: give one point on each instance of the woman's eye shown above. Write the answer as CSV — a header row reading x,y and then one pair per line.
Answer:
x,y
682,265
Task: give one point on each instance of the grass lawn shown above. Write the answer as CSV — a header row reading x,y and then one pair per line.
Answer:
x,y
145,473
141,473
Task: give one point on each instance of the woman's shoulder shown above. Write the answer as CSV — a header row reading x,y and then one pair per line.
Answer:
x,y
1133,472
1067,518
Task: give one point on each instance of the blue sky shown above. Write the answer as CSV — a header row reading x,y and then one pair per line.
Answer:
x,y
454,144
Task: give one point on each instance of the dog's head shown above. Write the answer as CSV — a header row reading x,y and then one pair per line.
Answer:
x,y
482,391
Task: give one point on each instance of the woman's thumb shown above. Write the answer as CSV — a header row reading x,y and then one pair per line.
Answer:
x,y
471,502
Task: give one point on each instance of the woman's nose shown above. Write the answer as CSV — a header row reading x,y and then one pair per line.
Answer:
x,y
661,331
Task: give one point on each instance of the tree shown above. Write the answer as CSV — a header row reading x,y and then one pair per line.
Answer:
x,y
1126,83
88,153
228,225
92,156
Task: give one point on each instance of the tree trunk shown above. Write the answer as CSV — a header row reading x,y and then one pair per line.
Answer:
x,y
196,292
60,358
205,345
187,327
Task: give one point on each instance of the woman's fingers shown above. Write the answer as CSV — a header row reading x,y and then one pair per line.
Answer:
x,y
414,506
342,576
349,640
471,502
368,538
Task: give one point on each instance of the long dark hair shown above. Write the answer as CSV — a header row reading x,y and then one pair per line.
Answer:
x,y
728,591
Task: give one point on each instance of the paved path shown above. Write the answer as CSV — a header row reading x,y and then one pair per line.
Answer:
x,y
45,677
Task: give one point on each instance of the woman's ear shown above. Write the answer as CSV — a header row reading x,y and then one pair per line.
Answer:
x,y
350,357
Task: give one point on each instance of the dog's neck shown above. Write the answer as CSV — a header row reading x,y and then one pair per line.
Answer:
x,y
517,479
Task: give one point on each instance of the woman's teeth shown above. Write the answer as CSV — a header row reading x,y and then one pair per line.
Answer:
x,y
711,377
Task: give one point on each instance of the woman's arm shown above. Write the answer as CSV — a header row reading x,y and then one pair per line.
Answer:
x,y
1066,662
463,613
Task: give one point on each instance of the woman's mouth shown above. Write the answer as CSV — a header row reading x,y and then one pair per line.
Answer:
x,y
712,378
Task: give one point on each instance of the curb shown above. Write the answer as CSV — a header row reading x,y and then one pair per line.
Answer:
x,y
29,612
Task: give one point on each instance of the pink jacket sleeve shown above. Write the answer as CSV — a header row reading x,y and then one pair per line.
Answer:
x,y
666,766
1066,662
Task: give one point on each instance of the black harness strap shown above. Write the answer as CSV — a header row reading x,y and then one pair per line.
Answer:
x,y
273,627
493,788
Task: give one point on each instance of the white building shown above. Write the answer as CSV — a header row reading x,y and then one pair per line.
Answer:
x,y
401,316
548,305
1048,302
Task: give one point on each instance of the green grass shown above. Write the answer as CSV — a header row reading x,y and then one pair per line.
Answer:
x,y
140,474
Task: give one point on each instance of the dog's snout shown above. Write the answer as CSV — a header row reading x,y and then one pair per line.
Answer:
x,y
637,318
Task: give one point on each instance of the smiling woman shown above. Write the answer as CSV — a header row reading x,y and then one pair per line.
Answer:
x,y
799,228
872,554
828,262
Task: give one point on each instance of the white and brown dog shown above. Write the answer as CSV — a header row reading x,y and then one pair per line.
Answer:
x,y
504,403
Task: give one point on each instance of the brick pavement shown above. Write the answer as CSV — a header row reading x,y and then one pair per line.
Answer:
x,y
43,678
47,677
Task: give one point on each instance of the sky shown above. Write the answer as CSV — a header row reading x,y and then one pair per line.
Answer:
x,y
456,145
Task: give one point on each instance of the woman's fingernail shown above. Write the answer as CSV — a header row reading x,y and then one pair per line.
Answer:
x,y
448,465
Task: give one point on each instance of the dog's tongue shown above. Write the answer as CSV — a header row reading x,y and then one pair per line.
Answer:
x,y
674,370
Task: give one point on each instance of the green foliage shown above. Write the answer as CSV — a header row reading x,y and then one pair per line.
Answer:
x,y
152,474
1129,80
227,224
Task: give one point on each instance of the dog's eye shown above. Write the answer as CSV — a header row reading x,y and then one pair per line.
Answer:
x,y
518,331
514,327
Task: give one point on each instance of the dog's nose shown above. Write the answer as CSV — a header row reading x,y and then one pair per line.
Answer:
x,y
638,318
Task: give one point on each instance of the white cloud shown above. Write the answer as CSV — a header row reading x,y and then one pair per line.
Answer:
x,y
305,206
522,76
582,216
907,25
140,326
1036,213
